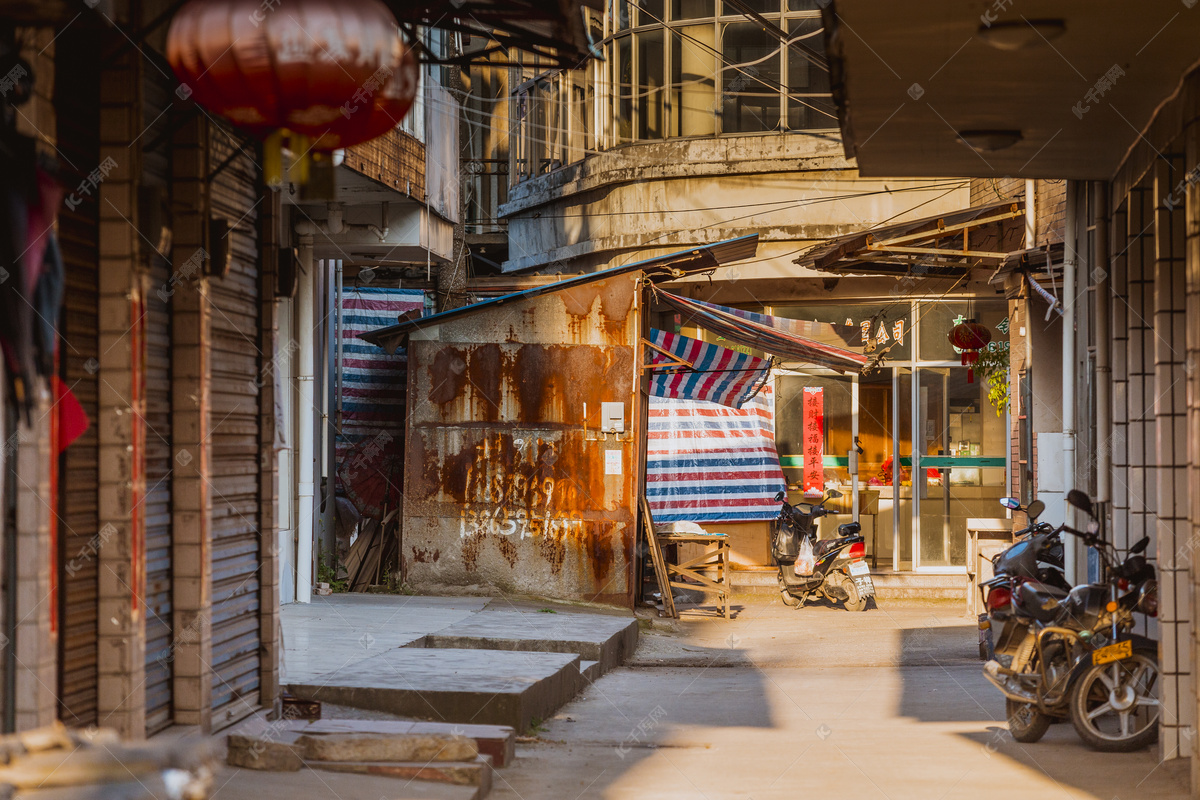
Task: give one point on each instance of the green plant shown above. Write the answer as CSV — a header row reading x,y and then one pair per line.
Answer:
x,y
547,611
327,570
992,366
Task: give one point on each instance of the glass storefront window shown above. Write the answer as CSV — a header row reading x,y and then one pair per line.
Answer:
x,y
650,84
650,12
937,318
858,323
692,9
693,78
809,101
751,98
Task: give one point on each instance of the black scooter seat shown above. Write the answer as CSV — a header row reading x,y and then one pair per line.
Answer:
x,y
1039,600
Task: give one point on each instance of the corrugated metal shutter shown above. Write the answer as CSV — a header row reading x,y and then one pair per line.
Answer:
x,y
76,103
156,171
234,429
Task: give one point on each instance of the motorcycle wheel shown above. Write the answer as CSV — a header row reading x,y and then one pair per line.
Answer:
x,y
1026,724
1113,707
854,601
787,597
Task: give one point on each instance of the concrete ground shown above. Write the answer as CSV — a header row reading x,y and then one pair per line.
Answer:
x,y
778,702
813,702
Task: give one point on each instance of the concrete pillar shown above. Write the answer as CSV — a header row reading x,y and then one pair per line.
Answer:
x,y
191,499
121,423
36,675
36,672
268,574
1171,530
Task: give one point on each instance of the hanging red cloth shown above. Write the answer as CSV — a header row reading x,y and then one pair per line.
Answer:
x,y
72,419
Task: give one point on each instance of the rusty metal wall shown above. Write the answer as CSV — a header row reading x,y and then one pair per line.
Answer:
x,y
505,480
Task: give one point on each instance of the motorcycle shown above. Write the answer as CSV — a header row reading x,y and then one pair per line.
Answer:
x,y
1078,657
840,572
1037,556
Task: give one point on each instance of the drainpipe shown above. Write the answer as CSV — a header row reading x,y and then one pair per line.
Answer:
x,y
1103,352
305,422
1068,370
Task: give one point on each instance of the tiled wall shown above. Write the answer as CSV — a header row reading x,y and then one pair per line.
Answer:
x,y
1170,411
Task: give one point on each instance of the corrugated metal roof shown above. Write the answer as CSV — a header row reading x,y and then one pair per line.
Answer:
x,y
849,253
662,268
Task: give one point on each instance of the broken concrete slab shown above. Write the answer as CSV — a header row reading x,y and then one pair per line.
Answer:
x,y
609,640
249,785
452,685
474,773
429,747
277,753
497,741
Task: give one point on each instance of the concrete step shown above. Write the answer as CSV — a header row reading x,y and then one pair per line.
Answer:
x,y
244,784
493,687
888,585
608,640
477,773
590,671
497,741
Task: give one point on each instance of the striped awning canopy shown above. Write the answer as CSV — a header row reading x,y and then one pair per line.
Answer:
x,y
775,335
716,374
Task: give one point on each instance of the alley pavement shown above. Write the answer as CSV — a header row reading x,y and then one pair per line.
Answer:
x,y
813,702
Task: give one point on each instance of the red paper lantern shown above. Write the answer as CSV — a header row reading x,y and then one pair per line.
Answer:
x,y
336,72
969,338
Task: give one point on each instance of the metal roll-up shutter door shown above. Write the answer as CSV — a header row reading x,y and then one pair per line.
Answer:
x,y
234,430
76,95
156,171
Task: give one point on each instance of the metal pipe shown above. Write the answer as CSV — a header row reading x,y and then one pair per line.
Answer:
x,y
1070,251
305,462
1103,349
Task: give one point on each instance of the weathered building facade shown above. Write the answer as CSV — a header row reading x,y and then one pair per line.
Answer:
x,y
705,123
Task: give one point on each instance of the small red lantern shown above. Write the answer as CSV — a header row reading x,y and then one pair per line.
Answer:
x,y
337,73
969,338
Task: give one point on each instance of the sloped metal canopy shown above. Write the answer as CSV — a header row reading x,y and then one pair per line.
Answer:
x,y
946,244
659,268
556,30
775,335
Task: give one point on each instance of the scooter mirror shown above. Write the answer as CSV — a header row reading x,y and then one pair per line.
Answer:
x,y
779,496
1141,546
1010,503
1035,509
834,494
1081,501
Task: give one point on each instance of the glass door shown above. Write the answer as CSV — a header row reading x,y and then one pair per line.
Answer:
x,y
816,425
960,469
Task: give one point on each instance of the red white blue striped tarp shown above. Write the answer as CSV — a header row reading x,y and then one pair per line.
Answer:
x,y
374,384
718,374
710,463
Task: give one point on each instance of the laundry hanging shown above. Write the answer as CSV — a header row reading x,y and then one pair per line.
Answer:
x,y
775,335
717,374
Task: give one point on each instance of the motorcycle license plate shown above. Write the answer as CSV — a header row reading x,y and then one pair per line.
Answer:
x,y
864,585
859,568
1113,652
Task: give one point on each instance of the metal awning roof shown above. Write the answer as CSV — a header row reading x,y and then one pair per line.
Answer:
x,y
1046,89
946,244
556,31
659,268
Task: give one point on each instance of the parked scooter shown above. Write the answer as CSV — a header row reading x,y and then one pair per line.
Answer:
x,y
840,572
1037,556
1078,657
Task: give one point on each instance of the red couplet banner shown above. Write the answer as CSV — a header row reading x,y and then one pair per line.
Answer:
x,y
814,441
